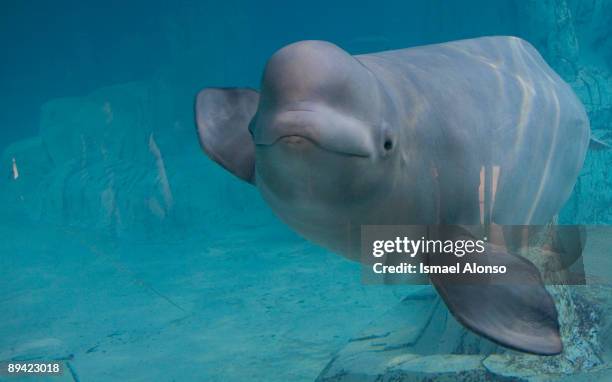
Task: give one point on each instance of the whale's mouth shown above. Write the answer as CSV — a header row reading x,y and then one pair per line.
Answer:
x,y
302,144
322,128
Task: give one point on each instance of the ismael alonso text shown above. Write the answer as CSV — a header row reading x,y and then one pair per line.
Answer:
x,y
412,248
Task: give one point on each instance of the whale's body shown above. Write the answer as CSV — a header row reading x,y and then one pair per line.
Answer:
x,y
477,131
490,102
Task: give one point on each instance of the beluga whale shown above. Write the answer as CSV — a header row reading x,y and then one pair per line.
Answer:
x,y
335,141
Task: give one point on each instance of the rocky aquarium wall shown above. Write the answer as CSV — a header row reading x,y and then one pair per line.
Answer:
x,y
123,158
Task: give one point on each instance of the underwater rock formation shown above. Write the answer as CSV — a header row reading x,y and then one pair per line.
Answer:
x,y
116,161
574,38
418,340
93,147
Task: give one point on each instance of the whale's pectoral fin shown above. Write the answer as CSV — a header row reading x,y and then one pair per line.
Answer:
x,y
512,309
223,116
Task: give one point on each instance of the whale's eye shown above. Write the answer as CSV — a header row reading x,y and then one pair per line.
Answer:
x,y
388,145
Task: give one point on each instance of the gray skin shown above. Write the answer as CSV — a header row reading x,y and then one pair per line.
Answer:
x,y
335,141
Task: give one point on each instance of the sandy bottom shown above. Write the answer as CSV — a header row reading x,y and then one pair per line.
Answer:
x,y
257,305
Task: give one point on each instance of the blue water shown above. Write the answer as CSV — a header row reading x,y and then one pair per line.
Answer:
x,y
128,255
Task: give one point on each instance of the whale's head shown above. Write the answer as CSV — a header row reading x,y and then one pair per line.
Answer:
x,y
316,137
321,139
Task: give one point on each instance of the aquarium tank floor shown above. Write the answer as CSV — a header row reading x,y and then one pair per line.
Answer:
x,y
248,307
